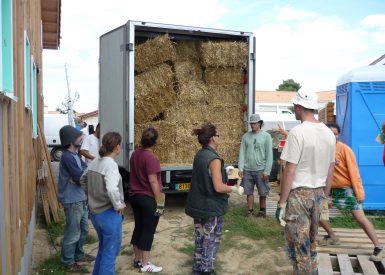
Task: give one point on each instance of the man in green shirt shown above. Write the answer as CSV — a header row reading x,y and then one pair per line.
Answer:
x,y
255,162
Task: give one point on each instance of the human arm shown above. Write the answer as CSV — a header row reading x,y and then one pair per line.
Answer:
x,y
287,183
329,179
241,159
74,166
269,157
354,174
84,181
112,179
159,196
216,176
86,154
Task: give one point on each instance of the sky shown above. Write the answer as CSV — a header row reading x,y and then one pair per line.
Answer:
x,y
313,42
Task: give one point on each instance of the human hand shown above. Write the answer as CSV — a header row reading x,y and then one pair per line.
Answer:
x,y
237,189
121,209
160,199
240,174
280,213
265,177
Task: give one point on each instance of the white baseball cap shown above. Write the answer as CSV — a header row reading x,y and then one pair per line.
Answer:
x,y
254,118
306,99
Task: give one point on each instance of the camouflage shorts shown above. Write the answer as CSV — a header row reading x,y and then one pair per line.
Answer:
x,y
302,217
345,198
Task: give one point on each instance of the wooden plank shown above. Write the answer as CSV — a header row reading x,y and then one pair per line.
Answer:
x,y
338,250
368,267
324,264
345,264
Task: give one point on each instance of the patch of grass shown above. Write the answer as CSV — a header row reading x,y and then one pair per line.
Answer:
x,y
55,230
188,249
237,224
52,265
346,220
91,239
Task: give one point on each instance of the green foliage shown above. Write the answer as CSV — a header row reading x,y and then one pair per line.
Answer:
x,y
289,85
347,221
52,265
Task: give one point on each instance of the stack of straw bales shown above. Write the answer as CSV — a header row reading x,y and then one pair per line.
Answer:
x,y
180,85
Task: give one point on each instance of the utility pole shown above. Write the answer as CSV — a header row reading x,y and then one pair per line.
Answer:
x,y
69,101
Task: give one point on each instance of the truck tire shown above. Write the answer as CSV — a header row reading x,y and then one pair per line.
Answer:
x,y
56,153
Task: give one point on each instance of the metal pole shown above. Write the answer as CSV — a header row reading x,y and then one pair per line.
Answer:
x,y
70,102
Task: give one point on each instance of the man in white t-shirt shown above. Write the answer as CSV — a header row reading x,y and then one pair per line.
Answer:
x,y
90,146
309,153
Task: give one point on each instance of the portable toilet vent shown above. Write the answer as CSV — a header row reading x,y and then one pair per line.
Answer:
x,y
360,113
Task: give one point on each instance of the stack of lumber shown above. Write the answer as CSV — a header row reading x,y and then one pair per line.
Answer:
x,y
326,115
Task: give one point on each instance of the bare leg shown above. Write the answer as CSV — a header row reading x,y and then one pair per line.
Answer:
x,y
137,253
250,201
145,257
326,225
367,226
262,202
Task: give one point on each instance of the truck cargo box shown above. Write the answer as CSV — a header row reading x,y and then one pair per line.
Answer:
x,y
174,78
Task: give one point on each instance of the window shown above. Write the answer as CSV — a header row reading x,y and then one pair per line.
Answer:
x,y
6,53
34,97
27,71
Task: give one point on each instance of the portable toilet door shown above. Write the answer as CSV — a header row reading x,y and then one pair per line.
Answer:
x,y
360,112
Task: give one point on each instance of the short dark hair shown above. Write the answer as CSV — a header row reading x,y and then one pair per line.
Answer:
x,y
334,125
207,131
149,137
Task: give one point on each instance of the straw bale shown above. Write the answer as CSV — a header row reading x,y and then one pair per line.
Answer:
x,y
192,92
187,50
229,151
220,114
224,54
223,76
230,131
187,71
187,113
226,94
154,92
153,52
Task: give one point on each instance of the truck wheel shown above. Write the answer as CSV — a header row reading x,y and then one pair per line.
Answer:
x,y
56,153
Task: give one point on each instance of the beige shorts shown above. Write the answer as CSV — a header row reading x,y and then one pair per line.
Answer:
x,y
325,211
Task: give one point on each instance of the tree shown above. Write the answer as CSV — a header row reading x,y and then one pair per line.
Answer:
x,y
67,104
289,85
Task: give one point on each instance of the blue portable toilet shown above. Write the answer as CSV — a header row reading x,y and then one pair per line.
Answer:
x,y
360,112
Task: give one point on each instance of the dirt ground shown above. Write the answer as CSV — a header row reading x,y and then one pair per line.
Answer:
x,y
174,236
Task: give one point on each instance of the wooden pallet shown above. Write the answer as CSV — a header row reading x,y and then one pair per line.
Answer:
x,y
271,207
345,264
353,242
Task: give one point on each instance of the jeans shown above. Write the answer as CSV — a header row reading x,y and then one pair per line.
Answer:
x,y
75,232
108,226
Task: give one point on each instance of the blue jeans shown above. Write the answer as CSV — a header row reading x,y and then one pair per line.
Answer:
x,y
108,226
75,232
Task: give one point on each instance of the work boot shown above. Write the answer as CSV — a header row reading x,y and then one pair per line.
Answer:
x,y
86,258
262,214
327,240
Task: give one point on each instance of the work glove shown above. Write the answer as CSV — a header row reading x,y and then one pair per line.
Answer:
x,y
280,214
159,204
229,169
238,189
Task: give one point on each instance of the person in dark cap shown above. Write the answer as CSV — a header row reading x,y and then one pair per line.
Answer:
x,y
73,198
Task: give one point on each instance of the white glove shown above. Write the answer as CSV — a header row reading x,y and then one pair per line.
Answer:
x,y
229,169
238,189
280,214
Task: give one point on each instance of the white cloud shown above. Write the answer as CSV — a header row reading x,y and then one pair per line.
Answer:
x,y
288,13
374,21
314,52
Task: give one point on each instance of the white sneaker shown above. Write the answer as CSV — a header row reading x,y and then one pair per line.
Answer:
x,y
150,268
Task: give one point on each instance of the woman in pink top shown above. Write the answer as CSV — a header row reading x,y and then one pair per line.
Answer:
x,y
146,198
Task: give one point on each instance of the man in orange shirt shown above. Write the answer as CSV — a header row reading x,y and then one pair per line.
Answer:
x,y
348,193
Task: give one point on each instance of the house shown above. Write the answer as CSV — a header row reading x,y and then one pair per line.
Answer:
x,y
91,118
280,101
27,27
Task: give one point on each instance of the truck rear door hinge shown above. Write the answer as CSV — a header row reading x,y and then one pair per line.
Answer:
x,y
252,56
127,47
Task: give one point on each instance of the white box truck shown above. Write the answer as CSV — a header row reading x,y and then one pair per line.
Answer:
x,y
118,93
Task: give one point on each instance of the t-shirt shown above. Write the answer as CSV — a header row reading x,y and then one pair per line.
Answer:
x,y
256,152
91,144
311,146
142,164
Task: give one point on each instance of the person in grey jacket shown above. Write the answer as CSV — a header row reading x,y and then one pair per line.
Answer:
x,y
103,185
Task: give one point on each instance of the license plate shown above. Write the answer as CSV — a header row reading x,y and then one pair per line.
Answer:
x,y
182,186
